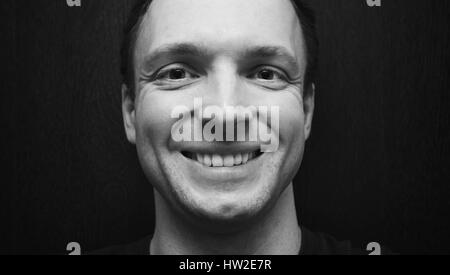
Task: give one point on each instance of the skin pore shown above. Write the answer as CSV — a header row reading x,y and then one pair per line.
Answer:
x,y
227,53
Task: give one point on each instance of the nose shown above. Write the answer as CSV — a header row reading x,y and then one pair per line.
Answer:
x,y
225,87
225,101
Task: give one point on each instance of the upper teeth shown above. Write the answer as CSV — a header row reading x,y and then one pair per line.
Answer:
x,y
216,160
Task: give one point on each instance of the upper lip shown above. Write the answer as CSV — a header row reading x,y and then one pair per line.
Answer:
x,y
221,148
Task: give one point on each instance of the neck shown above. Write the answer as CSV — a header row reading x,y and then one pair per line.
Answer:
x,y
277,232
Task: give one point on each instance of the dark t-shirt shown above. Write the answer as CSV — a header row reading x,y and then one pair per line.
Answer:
x,y
312,244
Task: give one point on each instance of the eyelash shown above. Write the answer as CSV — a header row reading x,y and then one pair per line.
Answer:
x,y
276,71
165,71
162,73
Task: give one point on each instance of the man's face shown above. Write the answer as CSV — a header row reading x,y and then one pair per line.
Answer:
x,y
226,53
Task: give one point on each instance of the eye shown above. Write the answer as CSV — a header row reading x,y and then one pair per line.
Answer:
x,y
175,72
268,74
269,77
172,74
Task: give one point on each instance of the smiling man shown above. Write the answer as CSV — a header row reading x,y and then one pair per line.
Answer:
x,y
252,63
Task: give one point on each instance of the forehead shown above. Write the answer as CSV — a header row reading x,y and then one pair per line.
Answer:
x,y
221,25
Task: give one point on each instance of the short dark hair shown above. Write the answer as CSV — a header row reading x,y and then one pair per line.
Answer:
x,y
305,14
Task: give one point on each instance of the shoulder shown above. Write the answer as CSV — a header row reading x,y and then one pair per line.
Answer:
x,y
140,247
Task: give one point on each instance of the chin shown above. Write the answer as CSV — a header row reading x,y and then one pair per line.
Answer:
x,y
229,207
224,216
225,205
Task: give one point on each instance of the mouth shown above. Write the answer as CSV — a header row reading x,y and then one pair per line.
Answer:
x,y
221,159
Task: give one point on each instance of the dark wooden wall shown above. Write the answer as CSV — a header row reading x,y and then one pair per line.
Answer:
x,y
375,169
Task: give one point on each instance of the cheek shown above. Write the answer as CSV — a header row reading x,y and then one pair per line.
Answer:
x,y
292,122
292,137
153,116
291,117
154,108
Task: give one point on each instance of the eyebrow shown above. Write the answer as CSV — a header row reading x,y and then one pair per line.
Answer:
x,y
182,49
202,52
271,52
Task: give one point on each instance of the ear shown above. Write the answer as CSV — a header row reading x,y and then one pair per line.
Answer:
x,y
129,114
308,108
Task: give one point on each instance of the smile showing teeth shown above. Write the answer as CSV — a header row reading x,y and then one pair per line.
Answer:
x,y
216,160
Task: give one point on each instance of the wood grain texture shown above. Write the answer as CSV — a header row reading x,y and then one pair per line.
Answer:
x,y
375,168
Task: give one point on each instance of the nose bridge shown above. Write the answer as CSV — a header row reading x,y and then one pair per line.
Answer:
x,y
225,84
